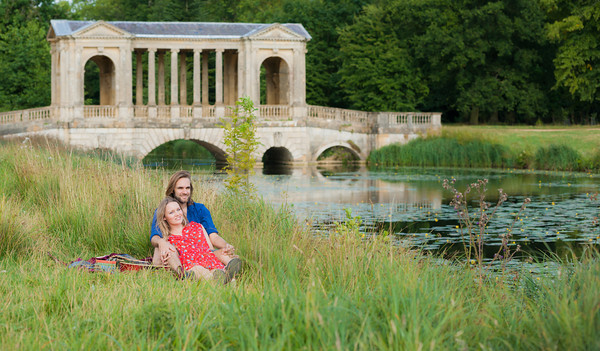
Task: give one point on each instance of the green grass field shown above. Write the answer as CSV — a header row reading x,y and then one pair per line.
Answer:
x,y
565,149
584,139
297,291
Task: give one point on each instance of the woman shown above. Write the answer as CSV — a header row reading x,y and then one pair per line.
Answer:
x,y
193,244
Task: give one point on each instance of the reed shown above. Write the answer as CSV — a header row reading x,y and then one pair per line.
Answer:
x,y
558,157
297,291
443,151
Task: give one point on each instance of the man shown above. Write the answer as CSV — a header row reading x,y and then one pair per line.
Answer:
x,y
180,187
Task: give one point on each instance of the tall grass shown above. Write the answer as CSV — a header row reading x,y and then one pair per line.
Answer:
x,y
475,151
558,157
297,291
443,152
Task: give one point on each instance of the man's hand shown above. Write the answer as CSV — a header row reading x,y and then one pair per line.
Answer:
x,y
229,250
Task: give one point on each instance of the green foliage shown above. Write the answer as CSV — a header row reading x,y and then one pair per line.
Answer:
x,y
239,137
378,69
558,157
25,67
577,33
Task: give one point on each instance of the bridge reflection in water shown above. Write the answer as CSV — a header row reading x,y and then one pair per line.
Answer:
x,y
315,191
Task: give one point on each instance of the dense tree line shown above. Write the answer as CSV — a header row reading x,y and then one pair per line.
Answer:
x,y
504,61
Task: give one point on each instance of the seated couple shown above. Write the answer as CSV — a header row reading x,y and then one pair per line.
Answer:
x,y
185,238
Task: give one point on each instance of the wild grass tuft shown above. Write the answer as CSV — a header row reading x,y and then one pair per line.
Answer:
x,y
558,157
443,152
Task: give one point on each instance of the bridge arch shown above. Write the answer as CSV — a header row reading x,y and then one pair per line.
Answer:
x,y
343,144
277,155
277,80
212,140
107,78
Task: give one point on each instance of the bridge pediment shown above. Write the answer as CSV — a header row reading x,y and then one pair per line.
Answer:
x,y
277,31
101,29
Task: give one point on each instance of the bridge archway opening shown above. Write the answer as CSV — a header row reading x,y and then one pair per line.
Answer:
x,y
274,82
99,81
338,154
182,153
277,160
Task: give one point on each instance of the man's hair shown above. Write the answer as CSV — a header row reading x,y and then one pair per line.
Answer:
x,y
164,227
173,181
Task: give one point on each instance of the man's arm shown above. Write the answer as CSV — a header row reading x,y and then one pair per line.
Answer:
x,y
220,243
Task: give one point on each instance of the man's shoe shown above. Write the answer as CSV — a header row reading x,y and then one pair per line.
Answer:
x,y
233,268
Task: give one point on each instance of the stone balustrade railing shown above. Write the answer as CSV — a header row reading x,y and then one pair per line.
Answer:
x,y
274,112
392,120
32,114
338,114
100,111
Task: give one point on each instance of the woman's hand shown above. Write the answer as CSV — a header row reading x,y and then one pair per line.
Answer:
x,y
165,249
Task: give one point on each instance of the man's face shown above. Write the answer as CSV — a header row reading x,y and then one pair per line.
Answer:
x,y
182,190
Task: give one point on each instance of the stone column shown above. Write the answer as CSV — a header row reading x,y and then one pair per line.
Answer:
x,y
205,101
63,83
125,89
54,76
196,75
77,84
197,109
151,84
139,75
241,72
182,79
219,77
174,54
151,78
161,78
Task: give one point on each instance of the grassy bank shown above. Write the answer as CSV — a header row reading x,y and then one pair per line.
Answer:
x,y
569,149
297,292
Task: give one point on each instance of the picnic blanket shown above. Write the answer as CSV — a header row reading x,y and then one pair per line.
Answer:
x,y
113,263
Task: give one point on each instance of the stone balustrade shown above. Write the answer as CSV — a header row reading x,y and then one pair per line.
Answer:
x,y
100,111
274,112
338,114
321,115
32,114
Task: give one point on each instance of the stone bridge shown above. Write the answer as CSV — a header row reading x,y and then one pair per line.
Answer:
x,y
283,138
132,86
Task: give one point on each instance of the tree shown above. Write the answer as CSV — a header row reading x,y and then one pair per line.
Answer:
x,y
378,70
241,143
577,34
25,67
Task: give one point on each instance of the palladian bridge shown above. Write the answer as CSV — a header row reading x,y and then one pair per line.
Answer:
x,y
163,81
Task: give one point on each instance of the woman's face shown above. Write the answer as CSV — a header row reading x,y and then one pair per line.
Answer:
x,y
173,214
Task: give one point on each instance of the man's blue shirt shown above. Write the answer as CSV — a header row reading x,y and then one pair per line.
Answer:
x,y
195,213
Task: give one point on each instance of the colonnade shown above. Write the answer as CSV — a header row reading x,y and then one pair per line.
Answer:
x,y
226,77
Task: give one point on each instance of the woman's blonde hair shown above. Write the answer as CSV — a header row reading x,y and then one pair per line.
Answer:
x,y
164,227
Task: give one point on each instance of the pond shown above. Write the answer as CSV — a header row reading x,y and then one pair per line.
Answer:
x,y
412,205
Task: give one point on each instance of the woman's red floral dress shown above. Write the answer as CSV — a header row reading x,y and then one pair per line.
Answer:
x,y
193,248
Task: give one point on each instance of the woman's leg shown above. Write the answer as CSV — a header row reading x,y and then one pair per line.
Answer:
x,y
201,272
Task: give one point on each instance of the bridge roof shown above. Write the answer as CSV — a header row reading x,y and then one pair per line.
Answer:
x,y
177,29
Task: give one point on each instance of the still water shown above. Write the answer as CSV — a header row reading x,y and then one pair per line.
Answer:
x,y
412,205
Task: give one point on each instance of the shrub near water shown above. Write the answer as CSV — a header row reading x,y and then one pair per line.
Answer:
x,y
558,157
443,152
